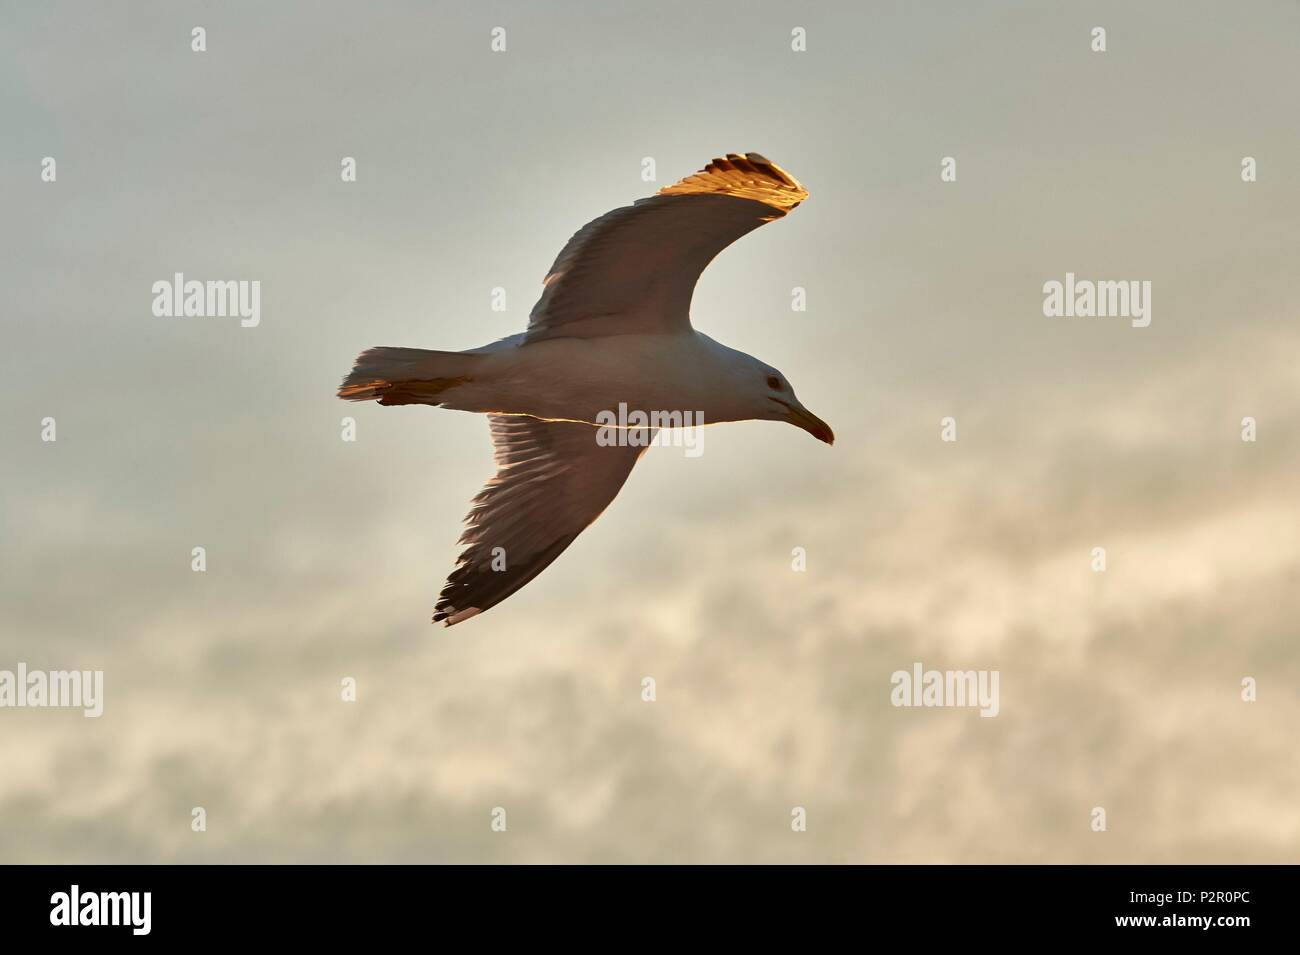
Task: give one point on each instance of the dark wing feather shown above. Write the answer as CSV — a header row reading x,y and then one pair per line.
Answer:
x,y
553,479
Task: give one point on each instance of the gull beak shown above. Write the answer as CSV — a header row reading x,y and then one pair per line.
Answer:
x,y
801,417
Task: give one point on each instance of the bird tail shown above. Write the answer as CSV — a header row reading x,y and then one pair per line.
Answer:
x,y
406,376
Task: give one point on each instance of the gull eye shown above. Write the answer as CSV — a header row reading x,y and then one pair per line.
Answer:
x,y
774,382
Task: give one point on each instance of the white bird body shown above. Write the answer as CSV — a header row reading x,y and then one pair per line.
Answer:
x,y
611,333
576,379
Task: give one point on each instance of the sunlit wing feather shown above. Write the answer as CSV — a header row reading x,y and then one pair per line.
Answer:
x,y
634,269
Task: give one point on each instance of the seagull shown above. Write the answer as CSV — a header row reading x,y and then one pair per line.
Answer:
x,y
612,328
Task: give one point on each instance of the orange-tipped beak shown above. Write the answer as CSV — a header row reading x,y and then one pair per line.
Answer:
x,y
801,417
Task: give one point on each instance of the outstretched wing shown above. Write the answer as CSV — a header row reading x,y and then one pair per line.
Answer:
x,y
552,480
632,271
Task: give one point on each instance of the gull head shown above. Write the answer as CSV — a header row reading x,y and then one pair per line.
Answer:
x,y
771,398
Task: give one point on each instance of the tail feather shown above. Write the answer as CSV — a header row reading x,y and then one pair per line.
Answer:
x,y
405,376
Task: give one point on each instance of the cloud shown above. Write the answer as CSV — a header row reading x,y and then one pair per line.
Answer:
x,y
1118,689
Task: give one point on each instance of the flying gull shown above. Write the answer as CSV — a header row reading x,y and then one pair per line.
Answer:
x,y
611,329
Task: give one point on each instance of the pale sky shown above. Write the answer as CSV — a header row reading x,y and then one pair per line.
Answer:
x,y
1120,689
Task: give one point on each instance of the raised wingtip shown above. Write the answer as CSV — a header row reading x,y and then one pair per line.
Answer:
x,y
747,176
